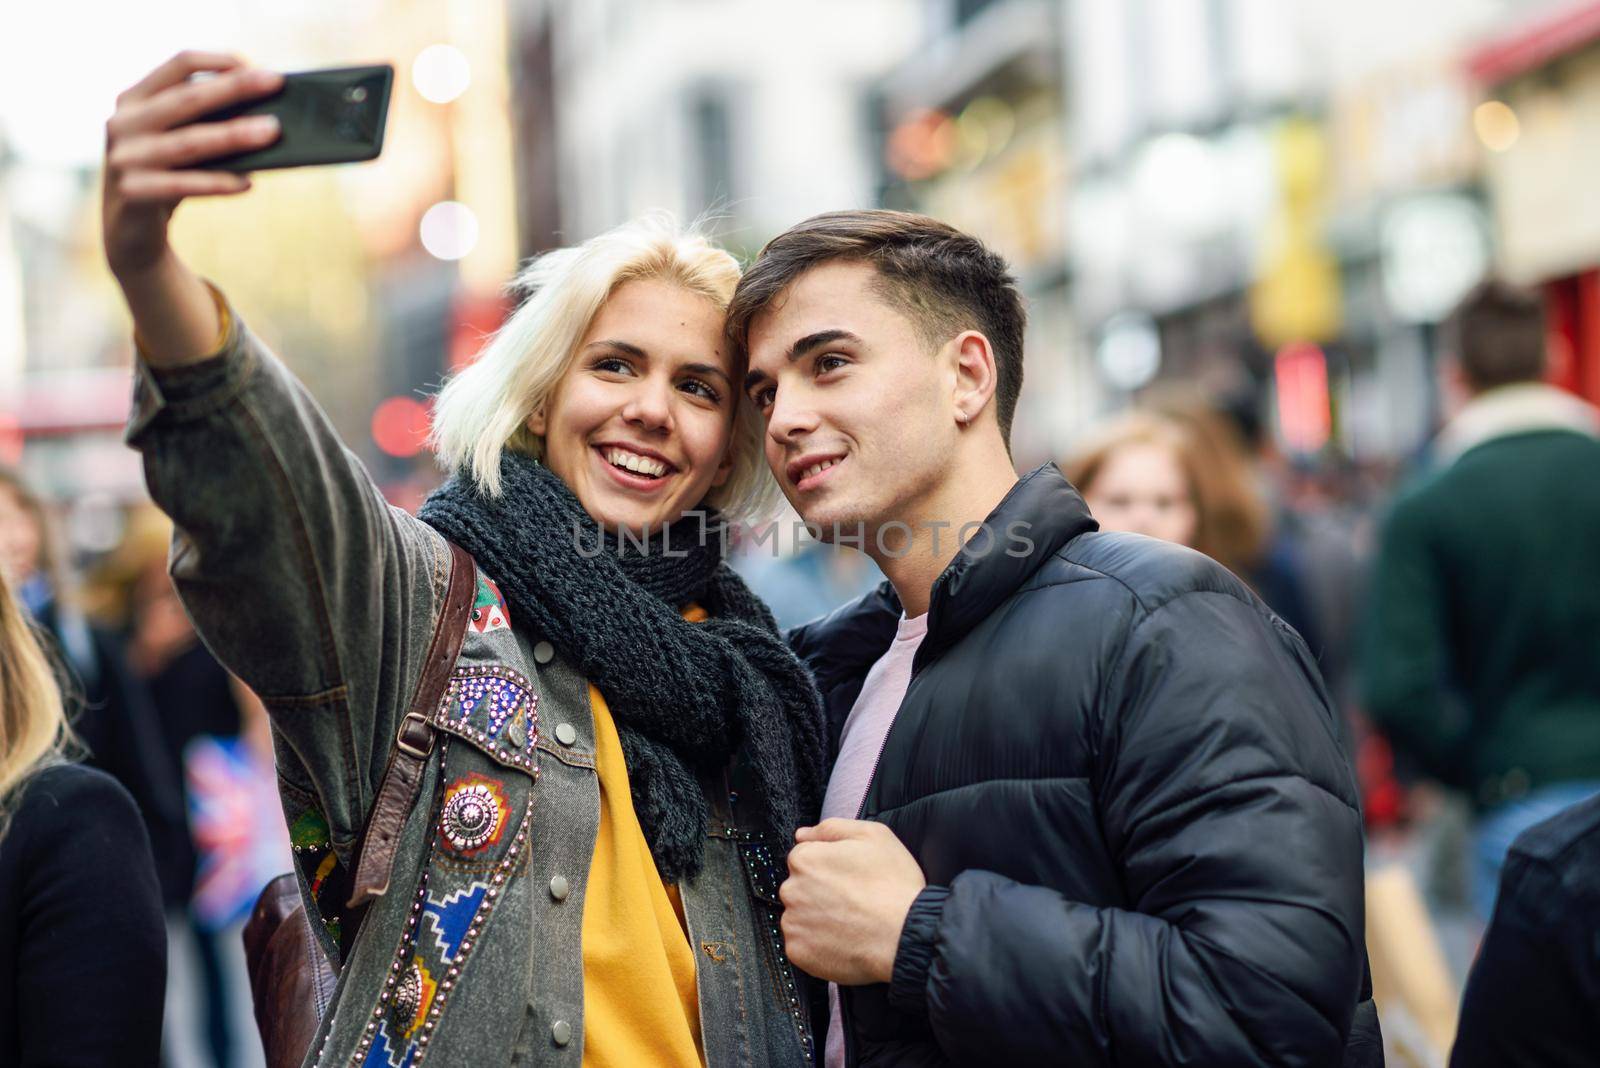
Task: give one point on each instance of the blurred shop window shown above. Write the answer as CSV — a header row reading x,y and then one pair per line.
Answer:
x,y
711,128
967,10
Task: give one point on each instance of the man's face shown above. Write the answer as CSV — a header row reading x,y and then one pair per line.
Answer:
x,y
860,416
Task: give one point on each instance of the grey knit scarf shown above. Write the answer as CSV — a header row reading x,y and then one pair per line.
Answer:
x,y
686,696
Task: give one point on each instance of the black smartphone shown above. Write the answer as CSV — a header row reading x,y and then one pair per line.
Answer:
x,y
326,116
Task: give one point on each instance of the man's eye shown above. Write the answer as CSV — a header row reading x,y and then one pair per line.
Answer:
x,y
762,398
829,362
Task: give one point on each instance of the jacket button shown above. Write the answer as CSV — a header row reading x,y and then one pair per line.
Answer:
x,y
544,652
561,1032
566,733
559,888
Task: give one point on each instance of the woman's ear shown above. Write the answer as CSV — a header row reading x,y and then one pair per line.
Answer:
x,y
536,422
724,468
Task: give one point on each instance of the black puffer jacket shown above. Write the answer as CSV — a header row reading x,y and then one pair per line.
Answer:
x,y
1120,774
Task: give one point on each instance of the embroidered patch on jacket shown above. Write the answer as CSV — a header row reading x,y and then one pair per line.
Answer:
x,y
489,611
414,996
474,815
497,710
312,845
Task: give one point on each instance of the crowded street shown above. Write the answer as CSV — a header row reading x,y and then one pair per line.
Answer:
x,y
711,532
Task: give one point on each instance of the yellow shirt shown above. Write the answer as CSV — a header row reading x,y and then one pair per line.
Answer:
x,y
640,1004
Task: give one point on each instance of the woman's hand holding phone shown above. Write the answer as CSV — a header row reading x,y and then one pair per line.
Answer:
x,y
148,172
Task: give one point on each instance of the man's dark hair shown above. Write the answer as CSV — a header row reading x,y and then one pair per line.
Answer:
x,y
1498,334
943,280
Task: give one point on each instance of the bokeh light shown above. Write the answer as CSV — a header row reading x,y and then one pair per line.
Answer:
x,y
1496,124
400,426
449,230
441,73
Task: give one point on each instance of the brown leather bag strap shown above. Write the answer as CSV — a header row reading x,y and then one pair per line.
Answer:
x,y
413,743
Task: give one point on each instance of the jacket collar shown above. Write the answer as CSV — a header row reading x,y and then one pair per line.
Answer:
x,y
1515,409
1042,508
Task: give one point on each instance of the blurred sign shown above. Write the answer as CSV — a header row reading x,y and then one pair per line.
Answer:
x,y
1305,420
1434,249
1129,352
1547,216
1403,129
1296,296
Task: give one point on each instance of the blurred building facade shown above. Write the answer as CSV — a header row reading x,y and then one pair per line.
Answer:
x,y
754,111
1542,80
1273,201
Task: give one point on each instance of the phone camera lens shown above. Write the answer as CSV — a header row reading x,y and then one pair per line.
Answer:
x,y
356,94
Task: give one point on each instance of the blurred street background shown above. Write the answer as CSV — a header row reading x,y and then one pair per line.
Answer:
x,y
1258,209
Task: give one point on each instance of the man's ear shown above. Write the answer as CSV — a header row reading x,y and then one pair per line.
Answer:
x,y
976,375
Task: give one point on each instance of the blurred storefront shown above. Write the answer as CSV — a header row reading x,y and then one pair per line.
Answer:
x,y
368,279
1541,124
975,133
1411,233
748,113
1195,227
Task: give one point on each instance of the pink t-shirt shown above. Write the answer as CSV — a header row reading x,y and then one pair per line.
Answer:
x,y
865,730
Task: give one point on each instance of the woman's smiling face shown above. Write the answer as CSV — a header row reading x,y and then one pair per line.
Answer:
x,y
640,426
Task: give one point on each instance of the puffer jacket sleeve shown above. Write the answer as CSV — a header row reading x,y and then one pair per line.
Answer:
x,y
1231,809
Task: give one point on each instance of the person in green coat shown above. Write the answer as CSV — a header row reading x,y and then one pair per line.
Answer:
x,y
1483,645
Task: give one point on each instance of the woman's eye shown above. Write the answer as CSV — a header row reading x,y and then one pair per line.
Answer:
x,y
613,364
703,389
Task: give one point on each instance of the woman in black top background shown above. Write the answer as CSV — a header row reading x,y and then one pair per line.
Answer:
x,y
82,945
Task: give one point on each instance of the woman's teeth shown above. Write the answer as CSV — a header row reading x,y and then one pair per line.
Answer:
x,y
815,469
632,461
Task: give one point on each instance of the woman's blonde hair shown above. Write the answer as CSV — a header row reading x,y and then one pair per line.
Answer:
x,y
1231,520
484,408
33,725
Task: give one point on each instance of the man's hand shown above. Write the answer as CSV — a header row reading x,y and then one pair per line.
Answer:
x,y
850,885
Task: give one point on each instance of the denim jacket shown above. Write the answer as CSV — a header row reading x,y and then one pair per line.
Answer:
x,y
323,598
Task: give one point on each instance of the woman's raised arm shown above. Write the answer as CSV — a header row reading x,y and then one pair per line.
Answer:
x,y
297,573
147,147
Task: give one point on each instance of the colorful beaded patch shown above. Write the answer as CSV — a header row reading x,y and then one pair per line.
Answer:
x,y
497,710
766,874
474,815
311,843
447,917
489,610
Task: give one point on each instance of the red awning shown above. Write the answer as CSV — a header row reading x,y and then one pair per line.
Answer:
x,y
1536,44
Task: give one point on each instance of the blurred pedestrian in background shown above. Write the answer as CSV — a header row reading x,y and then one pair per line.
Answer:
x,y
213,881
117,723
1481,648
82,953
1534,994
1187,480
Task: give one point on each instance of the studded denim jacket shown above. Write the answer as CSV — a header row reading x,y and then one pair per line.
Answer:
x,y
323,598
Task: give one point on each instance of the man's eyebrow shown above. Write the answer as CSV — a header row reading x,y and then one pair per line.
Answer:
x,y
621,346
806,345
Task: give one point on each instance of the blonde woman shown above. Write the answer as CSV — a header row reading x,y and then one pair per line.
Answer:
x,y
83,952
626,744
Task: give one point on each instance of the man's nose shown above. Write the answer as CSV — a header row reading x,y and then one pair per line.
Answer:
x,y
791,418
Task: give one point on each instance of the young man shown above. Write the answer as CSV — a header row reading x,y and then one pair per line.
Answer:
x,y
1087,806
1480,647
